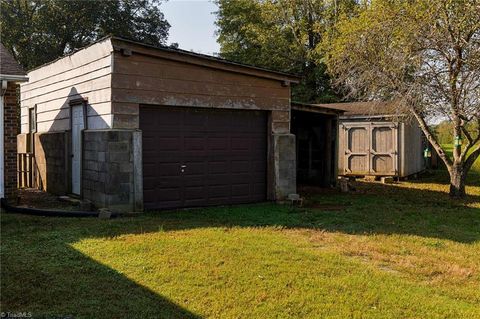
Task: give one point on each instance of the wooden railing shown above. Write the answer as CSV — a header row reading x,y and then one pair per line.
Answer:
x,y
26,170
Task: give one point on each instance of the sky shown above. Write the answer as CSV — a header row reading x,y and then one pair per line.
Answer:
x,y
192,25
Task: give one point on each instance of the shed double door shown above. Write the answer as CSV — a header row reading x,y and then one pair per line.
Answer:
x,y
199,157
371,148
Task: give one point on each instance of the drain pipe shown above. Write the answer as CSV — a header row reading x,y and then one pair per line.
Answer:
x,y
52,212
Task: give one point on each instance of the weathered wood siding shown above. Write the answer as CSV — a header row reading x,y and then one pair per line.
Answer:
x,y
412,160
409,146
84,74
160,80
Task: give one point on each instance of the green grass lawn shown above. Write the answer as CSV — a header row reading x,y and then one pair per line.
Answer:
x,y
386,251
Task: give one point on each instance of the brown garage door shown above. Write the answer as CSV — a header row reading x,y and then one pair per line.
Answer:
x,y
200,157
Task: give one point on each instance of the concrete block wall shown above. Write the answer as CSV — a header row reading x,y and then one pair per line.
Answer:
x,y
110,169
285,169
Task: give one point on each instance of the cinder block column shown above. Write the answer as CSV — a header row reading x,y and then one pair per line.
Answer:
x,y
112,170
285,168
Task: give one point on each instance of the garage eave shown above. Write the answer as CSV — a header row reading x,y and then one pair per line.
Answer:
x,y
128,47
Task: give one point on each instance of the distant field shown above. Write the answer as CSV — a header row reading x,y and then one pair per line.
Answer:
x,y
449,150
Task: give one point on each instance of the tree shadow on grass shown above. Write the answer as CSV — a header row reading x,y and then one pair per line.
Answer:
x,y
376,208
373,209
43,275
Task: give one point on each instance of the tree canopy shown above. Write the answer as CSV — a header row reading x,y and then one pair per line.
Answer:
x,y
39,31
424,54
283,35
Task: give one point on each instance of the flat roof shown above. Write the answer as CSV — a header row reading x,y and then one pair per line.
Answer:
x,y
207,60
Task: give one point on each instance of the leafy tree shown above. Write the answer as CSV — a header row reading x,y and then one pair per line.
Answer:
x,y
39,31
282,35
444,131
423,53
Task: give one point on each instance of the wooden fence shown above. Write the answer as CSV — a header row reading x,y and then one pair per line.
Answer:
x,y
27,172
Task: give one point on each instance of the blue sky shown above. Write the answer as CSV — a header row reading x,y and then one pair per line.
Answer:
x,y
192,24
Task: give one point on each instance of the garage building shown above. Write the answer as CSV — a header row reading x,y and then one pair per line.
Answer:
x,y
131,126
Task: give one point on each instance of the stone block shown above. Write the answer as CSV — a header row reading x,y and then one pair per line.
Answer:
x,y
112,136
119,157
118,147
281,116
104,213
281,127
126,167
90,175
387,180
101,156
89,155
91,165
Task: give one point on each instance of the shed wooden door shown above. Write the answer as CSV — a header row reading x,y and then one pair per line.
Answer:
x,y
384,146
200,157
371,148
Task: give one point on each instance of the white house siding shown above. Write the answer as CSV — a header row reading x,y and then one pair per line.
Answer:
x,y
85,74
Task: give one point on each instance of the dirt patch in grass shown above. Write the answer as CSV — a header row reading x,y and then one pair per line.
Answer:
x,y
34,198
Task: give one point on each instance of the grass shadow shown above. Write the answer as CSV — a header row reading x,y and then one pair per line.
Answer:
x,y
43,275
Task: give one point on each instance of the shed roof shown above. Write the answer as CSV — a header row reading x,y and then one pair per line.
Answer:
x,y
368,109
9,68
317,108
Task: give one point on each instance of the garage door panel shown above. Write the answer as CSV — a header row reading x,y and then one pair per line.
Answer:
x,y
218,143
240,166
224,153
195,143
240,178
218,167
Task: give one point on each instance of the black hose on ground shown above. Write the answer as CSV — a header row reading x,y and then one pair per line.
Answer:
x,y
47,212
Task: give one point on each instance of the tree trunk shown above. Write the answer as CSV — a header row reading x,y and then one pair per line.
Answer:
x,y
457,181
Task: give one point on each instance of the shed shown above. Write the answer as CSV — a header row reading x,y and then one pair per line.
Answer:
x,y
377,139
11,73
315,128
132,126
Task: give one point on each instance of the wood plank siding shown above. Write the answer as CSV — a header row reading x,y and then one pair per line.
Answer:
x,y
157,77
85,74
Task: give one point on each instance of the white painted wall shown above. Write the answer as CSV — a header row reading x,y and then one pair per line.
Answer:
x,y
86,74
